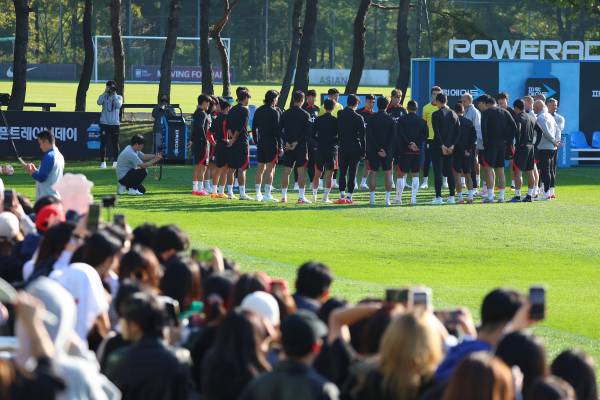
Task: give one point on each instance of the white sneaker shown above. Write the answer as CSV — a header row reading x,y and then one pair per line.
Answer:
x,y
326,201
437,201
259,197
413,202
134,192
398,201
451,200
231,196
387,203
269,198
424,185
114,164
103,165
121,189
244,197
296,187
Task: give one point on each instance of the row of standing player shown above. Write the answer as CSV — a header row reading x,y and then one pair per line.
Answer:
x,y
305,133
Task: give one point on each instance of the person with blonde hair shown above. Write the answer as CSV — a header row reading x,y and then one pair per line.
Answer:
x,y
409,353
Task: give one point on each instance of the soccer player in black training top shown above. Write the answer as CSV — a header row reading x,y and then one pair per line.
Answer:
x,y
265,126
464,152
411,135
237,131
509,154
326,128
446,129
199,144
351,127
367,112
381,131
313,110
497,126
295,129
396,110
219,129
529,134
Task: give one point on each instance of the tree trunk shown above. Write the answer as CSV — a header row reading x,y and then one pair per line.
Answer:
x,y
117,42
308,33
358,53
207,79
215,34
402,38
293,58
164,87
88,61
19,85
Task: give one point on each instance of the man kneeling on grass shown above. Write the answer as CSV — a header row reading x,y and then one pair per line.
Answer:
x,y
132,165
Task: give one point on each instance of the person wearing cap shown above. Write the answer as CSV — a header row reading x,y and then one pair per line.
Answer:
x,y
294,377
265,306
51,168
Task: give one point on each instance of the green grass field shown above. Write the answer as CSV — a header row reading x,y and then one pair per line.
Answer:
x,y
461,252
63,93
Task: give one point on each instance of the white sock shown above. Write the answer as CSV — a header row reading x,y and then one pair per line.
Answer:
x,y
414,188
342,194
284,192
363,181
242,190
460,196
490,193
301,193
195,186
268,190
200,186
214,189
512,183
470,195
221,190
326,194
315,191
463,181
485,188
372,196
530,192
230,189
207,184
257,189
501,194
349,196
518,192
400,184
387,197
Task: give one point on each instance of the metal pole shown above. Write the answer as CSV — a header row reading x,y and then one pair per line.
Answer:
x,y
95,58
198,32
60,18
266,39
333,43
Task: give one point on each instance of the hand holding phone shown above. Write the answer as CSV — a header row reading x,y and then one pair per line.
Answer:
x,y
537,300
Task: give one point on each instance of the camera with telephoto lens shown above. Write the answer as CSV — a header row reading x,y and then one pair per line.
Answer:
x,y
109,201
4,99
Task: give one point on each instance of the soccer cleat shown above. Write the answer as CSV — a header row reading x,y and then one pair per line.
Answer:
x,y
231,196
349,201
340,201
245,197
103,165
487,200
269,198
134,192
259,197
388,203
326,201
302,200
437,201
398,201
223,196
516,199
202,193
214,196
424,185
121,189
552,196
461,201
501,200
527,199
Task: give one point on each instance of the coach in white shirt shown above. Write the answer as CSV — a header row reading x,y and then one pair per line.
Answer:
x,y
552,105
547,146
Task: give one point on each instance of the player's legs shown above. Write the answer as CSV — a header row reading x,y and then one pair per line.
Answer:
x,y
400,181
344,165
352,170
438,164
389,176
447,172
301,182
260,170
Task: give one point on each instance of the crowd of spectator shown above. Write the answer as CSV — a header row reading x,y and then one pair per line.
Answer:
x,y
113,312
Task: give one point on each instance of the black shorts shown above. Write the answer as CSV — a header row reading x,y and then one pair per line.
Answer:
x,y
377,163
481,158
295,158
110,129
409,163
524,158
239,156
494,156
267,153
200,153
220,156
461,163
509,153
326,160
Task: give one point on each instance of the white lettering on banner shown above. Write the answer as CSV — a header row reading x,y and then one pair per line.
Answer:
x,y
28,133
338,77
595,94
481,49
